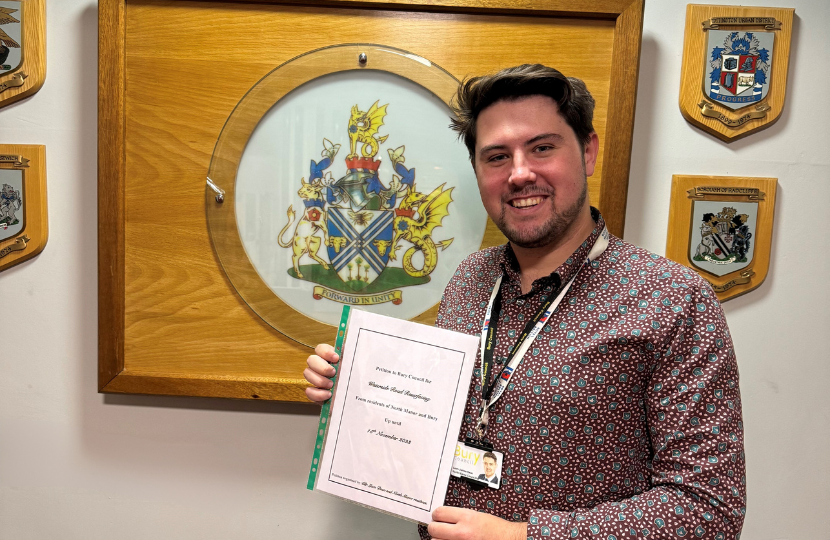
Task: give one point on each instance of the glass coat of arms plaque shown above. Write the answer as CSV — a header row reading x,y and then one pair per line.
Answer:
x,y
336,180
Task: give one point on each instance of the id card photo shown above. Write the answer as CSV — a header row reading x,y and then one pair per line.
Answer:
x,y
477,464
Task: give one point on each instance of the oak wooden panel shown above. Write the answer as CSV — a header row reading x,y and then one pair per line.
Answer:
x,y
184,66
680,223
33,66
695,60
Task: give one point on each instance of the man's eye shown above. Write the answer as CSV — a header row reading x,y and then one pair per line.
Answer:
x,y
544,147
497,157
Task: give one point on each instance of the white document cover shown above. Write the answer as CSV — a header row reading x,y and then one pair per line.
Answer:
x,y
395,415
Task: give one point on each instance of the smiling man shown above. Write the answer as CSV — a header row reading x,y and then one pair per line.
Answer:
x,y
490,463
608,380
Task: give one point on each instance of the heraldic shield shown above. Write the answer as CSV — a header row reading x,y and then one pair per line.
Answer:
x,y
358,245
739,70
721,226
12,217
722,236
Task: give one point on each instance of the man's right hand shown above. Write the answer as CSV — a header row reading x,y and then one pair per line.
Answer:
x,y
318,372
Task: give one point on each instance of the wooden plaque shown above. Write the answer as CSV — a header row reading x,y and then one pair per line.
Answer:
x,y
721,226
24,227
170,75
22,49
734,75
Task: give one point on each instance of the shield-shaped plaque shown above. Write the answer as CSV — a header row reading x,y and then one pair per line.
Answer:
x,y
734,72
722,227
22,49
23,224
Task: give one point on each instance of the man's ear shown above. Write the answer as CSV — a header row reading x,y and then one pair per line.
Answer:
x,y
591,151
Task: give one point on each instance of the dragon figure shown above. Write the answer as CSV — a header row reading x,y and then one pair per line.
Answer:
x,y
363,128
431,209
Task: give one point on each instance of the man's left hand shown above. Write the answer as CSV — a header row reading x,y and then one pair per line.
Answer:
x,y
450,523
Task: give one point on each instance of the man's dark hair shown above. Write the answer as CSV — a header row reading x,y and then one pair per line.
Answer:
x,y
576,105
490,455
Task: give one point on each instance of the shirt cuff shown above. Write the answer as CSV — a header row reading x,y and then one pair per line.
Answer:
x,y
547,524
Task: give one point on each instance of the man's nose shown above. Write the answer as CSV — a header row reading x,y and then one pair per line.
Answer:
x,y
521,174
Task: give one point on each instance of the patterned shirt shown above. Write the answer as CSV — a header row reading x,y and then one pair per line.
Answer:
x,y
624,418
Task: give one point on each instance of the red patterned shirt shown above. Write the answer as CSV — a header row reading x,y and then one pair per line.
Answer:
x,y
624,418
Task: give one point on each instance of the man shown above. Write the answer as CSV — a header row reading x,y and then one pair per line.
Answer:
x,y
490,462
623,416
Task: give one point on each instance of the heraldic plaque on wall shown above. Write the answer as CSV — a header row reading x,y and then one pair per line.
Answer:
x,y
722,227
24,227
350,190
735,60
22,49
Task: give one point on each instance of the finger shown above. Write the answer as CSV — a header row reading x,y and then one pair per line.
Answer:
x,y
320,366
316,379
318,395
440,531
327,353
448,514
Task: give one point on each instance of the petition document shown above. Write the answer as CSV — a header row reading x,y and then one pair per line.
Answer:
x,y
398,404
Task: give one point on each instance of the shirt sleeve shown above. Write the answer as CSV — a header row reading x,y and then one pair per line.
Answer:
x,y
696,466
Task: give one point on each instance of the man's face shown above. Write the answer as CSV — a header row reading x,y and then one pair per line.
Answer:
x,y
489,467
531,169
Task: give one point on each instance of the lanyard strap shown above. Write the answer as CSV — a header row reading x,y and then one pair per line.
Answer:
x,y
491,392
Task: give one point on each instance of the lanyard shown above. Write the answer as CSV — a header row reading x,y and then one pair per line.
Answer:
x,y
491,392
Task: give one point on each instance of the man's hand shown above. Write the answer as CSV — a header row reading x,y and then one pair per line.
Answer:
x,y
318,372
452,523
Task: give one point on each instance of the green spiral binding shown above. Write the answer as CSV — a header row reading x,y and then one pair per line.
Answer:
x,y
325,412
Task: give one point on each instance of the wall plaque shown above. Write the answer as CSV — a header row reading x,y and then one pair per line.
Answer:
x,y
23,224
722,227
22,49
734,74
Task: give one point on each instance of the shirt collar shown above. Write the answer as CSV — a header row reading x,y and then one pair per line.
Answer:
x,y
510,266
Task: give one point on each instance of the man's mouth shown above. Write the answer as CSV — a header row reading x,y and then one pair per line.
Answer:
x,y
526,202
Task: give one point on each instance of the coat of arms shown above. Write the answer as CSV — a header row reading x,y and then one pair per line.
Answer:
x,y
9,36
353,228
739,67
11,206
724,244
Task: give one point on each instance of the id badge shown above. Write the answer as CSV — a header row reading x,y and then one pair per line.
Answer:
x,y
478,466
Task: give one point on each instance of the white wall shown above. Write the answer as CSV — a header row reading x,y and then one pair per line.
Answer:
x,y
78,465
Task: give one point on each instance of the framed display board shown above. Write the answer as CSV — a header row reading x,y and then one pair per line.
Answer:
x,y
215,234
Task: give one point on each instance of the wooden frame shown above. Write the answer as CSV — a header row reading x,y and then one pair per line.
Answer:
x,y
625,18
29,76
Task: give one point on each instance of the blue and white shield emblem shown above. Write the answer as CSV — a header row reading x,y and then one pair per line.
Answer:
x,y
359,243
739,64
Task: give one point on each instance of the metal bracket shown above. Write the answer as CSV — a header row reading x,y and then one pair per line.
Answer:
x,y
220,193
